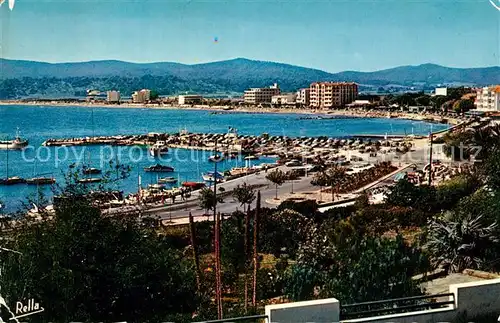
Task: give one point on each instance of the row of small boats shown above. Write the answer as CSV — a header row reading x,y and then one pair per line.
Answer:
x,y
30,181
228,156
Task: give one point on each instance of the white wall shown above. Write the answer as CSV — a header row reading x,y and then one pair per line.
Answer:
x,y
471,299
318,311
478,298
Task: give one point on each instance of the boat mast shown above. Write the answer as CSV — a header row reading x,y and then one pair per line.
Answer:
x,y
93,130
7,168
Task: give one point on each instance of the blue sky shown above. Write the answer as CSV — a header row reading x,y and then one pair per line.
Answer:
x,y
333,35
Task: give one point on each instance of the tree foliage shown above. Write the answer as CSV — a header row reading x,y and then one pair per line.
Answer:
x,y
459,241
362,270
83,266
206,199
244,194
277,177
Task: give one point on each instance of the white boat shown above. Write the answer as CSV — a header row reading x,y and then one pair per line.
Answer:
x,y
89,180
156,186
251,157
16,144
209,177
216,158
167,180
158,149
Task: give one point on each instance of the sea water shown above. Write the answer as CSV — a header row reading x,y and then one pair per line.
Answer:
x,y
39,123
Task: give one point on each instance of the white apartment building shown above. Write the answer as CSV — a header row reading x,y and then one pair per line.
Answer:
x,y
141,96
284,99
304,96
190,99
332,95
113,96
261,95
488,99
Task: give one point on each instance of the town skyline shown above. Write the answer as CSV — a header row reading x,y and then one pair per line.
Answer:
x,y
363,36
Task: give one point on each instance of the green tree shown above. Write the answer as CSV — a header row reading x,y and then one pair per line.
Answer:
x,y
364,269
462,106
459,241
206,199
332,177
423,100
244,194
448,105
154,95
277,177
493,170
285,226
83,266
406,194
437,101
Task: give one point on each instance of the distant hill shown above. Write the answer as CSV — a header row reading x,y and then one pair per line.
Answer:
x,y
20,79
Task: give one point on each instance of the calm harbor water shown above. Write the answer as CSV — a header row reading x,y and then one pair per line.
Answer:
x,y
40,123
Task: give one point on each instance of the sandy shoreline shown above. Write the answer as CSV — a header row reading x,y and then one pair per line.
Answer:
x,y
333,113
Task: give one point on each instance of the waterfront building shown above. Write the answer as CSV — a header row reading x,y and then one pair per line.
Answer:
x,y
443,91
359,104
190,99
284,99
141,96
303,96
488,99
332,94
261,95
113,96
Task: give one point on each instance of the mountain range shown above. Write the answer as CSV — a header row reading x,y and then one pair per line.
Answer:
x,y
20,79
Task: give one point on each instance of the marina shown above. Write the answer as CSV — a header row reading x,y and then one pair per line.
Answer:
x,y
106,135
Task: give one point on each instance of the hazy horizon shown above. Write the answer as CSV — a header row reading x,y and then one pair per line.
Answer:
x,y
241,58
332,36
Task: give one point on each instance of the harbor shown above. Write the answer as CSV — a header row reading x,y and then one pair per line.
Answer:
x,y
179,139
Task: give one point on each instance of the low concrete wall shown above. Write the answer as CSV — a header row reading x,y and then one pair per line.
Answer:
x,y
472,300
318,311
441,315
477,298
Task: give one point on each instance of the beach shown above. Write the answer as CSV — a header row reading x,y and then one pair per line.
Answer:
x,y
356,112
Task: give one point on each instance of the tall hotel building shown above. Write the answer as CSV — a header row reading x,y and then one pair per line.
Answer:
x,y
261,95
488,99
332,95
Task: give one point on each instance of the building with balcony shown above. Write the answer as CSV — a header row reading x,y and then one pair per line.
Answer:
x,y
261,95
113,96
141,96
304,96
284,99
325,95
488,99
190,99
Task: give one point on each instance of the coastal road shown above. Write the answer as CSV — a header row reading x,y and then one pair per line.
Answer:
x,y
266,188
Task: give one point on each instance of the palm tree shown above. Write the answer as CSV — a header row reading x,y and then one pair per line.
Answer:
x,y
458,243
277,177
244,194
206,199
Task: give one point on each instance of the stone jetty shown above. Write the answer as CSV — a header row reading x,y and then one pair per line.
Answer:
x,y
265,144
